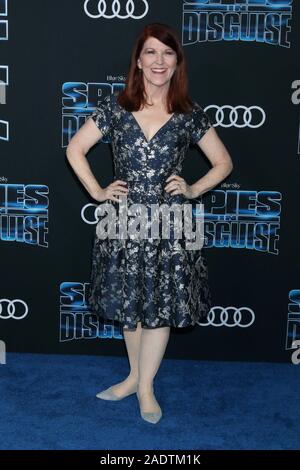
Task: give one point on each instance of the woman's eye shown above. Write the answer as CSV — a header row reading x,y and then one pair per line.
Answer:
x,y
167,52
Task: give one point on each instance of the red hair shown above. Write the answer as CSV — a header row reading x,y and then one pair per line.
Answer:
x,y
132,97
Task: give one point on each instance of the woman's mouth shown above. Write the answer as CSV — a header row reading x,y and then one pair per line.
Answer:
x,y
158,71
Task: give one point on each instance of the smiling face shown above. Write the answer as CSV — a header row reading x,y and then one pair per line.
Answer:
x,y
157,61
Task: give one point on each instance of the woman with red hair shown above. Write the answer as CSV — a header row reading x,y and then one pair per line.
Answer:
x,y
149,284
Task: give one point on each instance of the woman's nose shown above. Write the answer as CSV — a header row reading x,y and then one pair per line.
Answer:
x,y
159,59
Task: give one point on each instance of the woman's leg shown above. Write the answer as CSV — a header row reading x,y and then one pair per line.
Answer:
x,y
132,341
152,348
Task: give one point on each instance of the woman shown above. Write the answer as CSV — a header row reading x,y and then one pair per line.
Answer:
x,y
152,284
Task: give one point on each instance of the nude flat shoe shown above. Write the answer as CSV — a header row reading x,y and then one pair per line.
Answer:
x,y
108,394
150,417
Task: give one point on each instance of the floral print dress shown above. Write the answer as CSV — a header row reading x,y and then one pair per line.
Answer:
x,y
155,281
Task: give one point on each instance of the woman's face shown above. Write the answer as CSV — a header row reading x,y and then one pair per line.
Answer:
x,y
158,62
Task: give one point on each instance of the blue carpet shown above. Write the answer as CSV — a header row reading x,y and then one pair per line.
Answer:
x,y
48,402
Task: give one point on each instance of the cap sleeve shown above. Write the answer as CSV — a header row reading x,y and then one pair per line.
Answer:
x,y
200,123
102,115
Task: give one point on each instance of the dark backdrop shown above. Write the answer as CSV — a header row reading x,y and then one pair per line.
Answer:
x,y
57,61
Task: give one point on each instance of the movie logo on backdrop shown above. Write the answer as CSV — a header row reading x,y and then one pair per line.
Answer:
x,y
243,219
266,21
24,213
293,320
4,125
3,84
3,20
76,321
79,101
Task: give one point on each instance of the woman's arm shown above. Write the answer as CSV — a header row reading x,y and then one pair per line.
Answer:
x,y
87,136
216,152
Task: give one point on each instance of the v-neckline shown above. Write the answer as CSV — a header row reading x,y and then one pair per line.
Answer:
x,y
143,133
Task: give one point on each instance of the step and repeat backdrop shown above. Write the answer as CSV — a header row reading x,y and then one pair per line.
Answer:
x,y
58,59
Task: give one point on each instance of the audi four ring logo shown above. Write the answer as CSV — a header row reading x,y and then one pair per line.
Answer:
x,y
115,6
16,309
238,113
230,317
